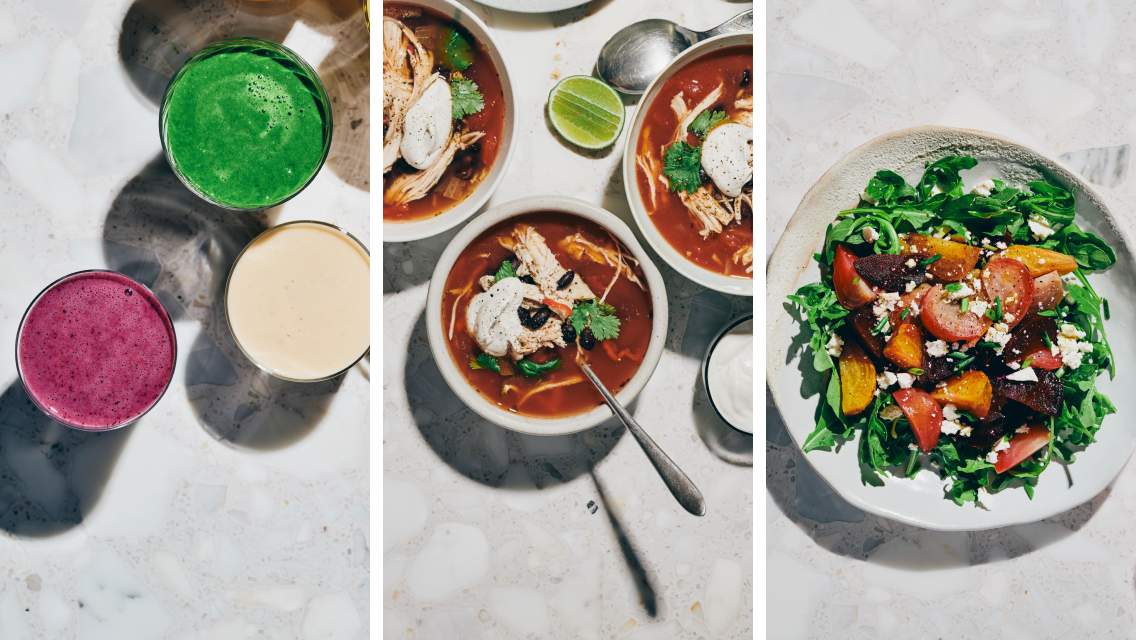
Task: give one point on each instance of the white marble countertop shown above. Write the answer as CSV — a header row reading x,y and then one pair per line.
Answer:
x,y
489,534
238,508
1058,77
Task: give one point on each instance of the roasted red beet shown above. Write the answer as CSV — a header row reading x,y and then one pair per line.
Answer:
x,y
889,271
936,370
861,320
1043,396
1029,337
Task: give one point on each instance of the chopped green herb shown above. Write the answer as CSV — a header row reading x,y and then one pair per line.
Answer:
x,y
467,98
485,361
706,121
906,312
881,326
682,166
915,371
995,312
953,287
1047,313
457,54
930,260
957,355
965,305
599,316
531,369
506,270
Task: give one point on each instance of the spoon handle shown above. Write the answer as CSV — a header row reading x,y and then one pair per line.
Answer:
x,y
681,486
739,23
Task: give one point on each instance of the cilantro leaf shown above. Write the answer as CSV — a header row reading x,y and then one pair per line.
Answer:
x,y
506,270
531,369
682,165
457,54
466,96
706,121
485,361
599,316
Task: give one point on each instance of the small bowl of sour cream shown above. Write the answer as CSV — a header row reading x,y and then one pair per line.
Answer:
x,y
727,374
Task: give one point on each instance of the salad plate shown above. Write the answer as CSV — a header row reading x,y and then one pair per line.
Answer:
x,y
988,198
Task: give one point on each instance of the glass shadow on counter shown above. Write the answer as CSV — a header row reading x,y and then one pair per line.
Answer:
x,y
163,235
51,476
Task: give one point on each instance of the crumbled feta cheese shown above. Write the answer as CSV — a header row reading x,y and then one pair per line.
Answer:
x,y
911,446
886,379
1071,348
937,348
835,346
1014,365
950,412
963,291
985,242
966,431
984,188
950,427
1023,375
905,380
911,263
1071,331
998,333
1000,245
885,304
1008,317
935,190
1002,445
992,457
870,234
1040,228
978,307
909,287
1022,429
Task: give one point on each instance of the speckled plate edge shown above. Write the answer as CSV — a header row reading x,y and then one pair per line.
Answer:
x,y
919,501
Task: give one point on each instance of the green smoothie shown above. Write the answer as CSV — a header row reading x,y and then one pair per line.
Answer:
x,y
246,124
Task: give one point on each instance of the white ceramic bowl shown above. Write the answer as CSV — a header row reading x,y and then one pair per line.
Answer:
x,y
919,501
704,277
426,227
435,332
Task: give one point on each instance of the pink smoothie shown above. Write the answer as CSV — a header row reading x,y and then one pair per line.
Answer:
x,y
96,350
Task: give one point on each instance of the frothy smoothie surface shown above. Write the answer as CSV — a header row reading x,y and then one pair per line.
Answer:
x,y
96,350
245,127
299,301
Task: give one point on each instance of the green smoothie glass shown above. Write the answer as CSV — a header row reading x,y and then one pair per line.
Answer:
x,y
246,124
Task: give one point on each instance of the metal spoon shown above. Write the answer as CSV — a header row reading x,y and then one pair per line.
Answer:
x,y
638,53
681,487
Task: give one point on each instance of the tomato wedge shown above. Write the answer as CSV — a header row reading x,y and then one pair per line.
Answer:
x,y
1009,281
1048,290
946,320
924,414
1022,446
851,290
1044,359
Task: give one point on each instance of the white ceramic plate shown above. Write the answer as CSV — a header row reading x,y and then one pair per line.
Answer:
x,y
426,227
919,501
690,270
533,6
435,332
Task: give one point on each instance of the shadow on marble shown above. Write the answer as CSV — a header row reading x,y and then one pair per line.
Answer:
x,y
182,247
485,452
51,476
724,441
843,529
345,73
644,581
403,261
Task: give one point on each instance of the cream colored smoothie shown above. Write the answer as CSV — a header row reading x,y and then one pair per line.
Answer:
x,y
298,301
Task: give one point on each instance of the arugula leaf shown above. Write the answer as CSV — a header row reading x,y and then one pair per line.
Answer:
x,y
466,97
944,173
889,188
705,121
506,270
1091,252
682,165
599,316
485,361
531,369
457,54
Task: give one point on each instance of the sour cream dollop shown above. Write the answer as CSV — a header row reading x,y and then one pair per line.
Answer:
x,y
492,317
727,157
729,376
428,125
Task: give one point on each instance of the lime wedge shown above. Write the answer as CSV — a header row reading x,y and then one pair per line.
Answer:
x,y
586,112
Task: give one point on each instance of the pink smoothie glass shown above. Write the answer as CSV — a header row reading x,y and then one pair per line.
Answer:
x,y
96,350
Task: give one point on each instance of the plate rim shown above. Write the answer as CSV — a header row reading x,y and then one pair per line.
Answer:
x,y
775,296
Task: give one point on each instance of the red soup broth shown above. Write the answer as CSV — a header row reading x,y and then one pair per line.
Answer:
x,y
732,68
614,361
428,26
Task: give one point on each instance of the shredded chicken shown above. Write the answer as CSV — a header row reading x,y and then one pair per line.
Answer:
x,y
567,382
650,169
577,246
409,187
684,121
407,66
538,261
744,257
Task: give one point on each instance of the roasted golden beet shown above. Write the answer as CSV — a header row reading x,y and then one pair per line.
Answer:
x,y
1041,261
970,391
957,258
857,379
905,348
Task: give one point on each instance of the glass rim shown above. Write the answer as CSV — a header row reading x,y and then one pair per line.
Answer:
x,y
229,320
173,344
321,96
705,367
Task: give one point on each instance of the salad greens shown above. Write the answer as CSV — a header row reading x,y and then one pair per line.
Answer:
x,y
1039,214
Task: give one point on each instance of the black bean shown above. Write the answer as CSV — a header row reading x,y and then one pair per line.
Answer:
x,y
565,279
568,332
525,315
587,340
527,279
745,78
539,317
